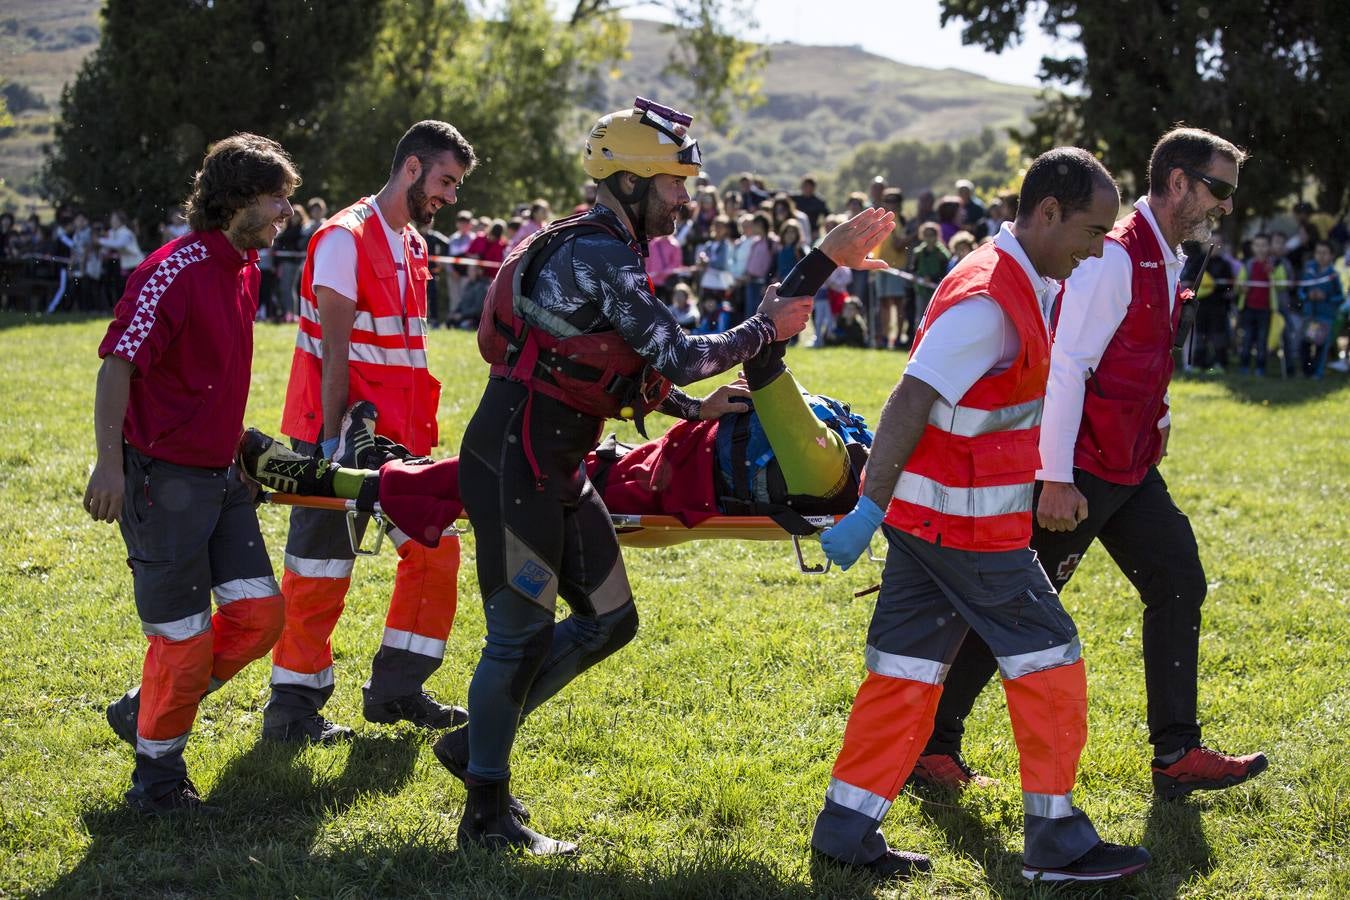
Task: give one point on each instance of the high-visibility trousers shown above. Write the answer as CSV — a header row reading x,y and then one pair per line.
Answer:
x,y
191,533
930,597
319,561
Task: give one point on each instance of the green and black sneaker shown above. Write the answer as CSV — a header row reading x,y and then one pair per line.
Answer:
x,y
275,466
356,447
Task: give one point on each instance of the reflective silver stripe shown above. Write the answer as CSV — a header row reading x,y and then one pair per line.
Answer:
x,y
974,502
911,668
282,675
308,310
1048,806
246,589
395,639
388,356
1040,660
397,536
180,629
309,344
160,749
387,326
872,805
320,568
967,421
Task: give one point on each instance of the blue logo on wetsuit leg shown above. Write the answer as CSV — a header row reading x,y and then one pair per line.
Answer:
x,y
531,579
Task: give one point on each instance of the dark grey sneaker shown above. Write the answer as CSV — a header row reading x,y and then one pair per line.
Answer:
x,y
122,715
356,438
1104,862
421,709
311,729
182,800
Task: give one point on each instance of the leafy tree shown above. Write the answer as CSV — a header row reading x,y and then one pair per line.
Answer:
x,y
169,77
1270,76
915,166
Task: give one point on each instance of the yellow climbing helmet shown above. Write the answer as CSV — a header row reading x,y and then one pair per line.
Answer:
x,y
645,140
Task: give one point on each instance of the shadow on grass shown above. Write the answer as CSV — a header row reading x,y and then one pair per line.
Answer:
x,y
287,830
968,836
272,811
1272,389
1175,835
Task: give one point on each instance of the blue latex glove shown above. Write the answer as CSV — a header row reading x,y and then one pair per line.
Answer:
x,y
845,542
328,447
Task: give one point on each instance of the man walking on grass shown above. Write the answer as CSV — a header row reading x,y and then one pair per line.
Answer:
x,y
168,411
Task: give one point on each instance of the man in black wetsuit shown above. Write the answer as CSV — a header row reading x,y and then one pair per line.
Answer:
x,y
542,530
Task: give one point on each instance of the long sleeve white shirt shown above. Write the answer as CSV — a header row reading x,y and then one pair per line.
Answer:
x,y
1095,299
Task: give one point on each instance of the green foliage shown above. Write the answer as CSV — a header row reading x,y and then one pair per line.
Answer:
x,y
1272,77
167,79
692,763
918,165
725,71
510,83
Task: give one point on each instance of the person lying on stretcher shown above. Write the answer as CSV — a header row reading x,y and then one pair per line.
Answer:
x,y
789,454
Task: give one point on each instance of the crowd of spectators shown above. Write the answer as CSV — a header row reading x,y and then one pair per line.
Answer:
x,y
1277,307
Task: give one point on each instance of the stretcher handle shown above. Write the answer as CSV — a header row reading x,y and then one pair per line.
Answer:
x,y
802,566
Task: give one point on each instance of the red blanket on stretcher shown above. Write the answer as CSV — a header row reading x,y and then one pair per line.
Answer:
x,y
672,475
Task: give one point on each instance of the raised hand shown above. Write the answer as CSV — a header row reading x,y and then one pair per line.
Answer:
x,y
848,244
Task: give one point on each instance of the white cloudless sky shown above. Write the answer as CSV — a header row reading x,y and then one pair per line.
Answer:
x,y
908,31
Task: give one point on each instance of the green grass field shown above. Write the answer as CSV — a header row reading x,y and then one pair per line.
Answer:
x,y
693,762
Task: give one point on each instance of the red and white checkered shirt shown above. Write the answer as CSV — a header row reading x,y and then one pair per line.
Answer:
x,y
186,323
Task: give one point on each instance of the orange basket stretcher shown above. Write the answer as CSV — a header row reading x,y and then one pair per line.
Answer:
x,y
644,531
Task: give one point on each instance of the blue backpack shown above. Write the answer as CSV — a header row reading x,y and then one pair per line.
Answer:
x,y
750,483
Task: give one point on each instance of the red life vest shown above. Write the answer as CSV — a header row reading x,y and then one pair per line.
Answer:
x,y
968,484
1118,439
596,374
387,360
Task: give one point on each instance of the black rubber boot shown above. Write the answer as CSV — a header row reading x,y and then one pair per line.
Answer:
x,y
452,751
488,823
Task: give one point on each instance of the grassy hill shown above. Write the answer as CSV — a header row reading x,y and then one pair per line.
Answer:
x,y
820,103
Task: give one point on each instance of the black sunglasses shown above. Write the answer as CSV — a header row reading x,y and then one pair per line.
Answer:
x,y
1221,190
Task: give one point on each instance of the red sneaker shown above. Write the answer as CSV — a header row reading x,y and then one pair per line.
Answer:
x,y
1203,769
947,770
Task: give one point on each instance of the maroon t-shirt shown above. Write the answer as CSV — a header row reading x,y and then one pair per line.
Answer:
x,y
1258,295
186,323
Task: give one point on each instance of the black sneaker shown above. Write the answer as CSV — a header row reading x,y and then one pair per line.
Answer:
x,y
276,466
421,709
122,715
894,863
310,729
356,438
183,799
1104,862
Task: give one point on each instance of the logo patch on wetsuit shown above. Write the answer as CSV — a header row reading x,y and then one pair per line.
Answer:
x,y
531,579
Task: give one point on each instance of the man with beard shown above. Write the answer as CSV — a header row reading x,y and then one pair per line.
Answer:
x,y
363,325
1104,433
168,411
575,337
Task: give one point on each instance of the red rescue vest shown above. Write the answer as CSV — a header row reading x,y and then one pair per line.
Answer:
x,y
596,374
1118,439
968,484
387,360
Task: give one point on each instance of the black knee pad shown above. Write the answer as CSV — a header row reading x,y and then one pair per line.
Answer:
x,y
534,653
618,628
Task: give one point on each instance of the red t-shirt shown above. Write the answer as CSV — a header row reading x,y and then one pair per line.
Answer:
x,y
186,324
1258,296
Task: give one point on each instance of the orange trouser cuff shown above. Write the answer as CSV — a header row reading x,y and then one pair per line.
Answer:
x,y
245,630
313,606
174,678
426,589
1049,721
891,721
